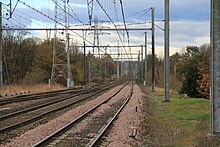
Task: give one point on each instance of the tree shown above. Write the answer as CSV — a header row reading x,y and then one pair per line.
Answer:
x,y
188,70
18,56
204,71
42,65
174,79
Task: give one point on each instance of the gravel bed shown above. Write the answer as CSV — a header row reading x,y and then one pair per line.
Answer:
x,y
83,138
7,136
36,134
119,134
9,108
84,131
34,113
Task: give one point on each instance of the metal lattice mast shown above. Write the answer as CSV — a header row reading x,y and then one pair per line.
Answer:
x,y
61,51
96,35
90,10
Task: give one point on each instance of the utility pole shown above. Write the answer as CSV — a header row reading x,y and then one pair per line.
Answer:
x,y
139,65
166,51
118,64
145,59
121,65
84,64
215,70
69,81
153,50
105,62
1,45
89,75
142,59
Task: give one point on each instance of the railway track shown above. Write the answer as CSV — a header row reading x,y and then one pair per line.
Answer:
x,y
22,98
71,101
105,123
37,96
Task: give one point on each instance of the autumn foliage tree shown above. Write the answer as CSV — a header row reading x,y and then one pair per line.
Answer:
x,y
204,71
29,60
193,70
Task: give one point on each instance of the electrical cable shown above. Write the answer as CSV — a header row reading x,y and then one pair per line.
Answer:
x,y
52,19
67,12
113,24
123,16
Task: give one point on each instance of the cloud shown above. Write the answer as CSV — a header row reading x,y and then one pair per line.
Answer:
x,y
180,9
189,20
184,33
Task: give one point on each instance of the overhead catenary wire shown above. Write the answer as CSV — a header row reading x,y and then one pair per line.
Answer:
x,y
145,10
67,12
123,16
34,20
51,19
113,24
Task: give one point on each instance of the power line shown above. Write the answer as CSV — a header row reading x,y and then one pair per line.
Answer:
x,y
112,23
30,17
123,15
146,10
81,29
52,20
67,12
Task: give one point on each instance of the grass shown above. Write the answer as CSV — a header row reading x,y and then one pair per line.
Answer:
x,y
185,115
32,88
180,122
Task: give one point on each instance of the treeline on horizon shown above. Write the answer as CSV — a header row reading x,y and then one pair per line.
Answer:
x,y
29,60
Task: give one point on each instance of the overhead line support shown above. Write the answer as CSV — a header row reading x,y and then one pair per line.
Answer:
x,y
145,67
166,52
153,50
215,70
90,10
1,46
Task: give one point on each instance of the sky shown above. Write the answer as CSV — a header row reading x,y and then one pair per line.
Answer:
x,y
189,20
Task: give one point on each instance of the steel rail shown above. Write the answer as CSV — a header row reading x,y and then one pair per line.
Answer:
x,y
21,98
69,125
99,136
42,105
38,117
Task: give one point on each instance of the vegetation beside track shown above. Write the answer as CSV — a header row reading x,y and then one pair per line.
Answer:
x,y
180,122
36,88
